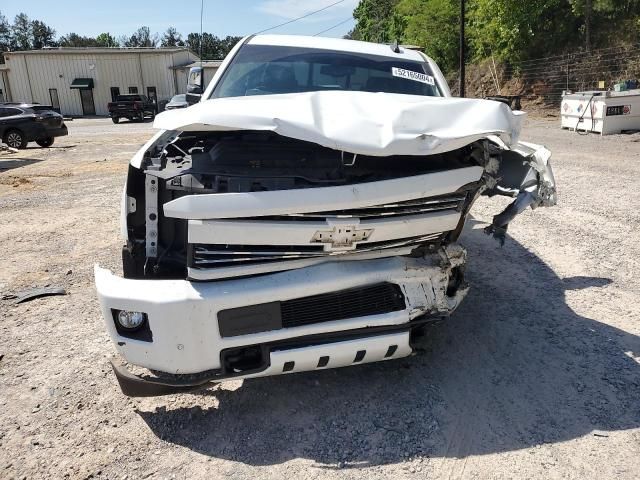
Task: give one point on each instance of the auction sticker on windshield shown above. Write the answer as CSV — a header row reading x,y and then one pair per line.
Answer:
x,y
415,76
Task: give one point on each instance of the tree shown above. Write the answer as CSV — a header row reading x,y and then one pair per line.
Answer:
x,y
511,30
5,36
433,25
193,42
43,35
374,21
172,38
213,48
106,40
141,38
226,44
21,38
75,40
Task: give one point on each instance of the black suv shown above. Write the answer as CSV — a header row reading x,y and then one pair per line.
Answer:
x,y
21,123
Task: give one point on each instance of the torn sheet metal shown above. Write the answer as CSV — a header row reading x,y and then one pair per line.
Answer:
x,y
525,173
387,124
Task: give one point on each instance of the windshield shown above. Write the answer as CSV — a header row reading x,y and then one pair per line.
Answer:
x,y
266,69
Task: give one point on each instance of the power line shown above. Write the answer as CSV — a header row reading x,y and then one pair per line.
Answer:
x,y
300,18
335,26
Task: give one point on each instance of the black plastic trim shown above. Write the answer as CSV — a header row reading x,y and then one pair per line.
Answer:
x,y
145,386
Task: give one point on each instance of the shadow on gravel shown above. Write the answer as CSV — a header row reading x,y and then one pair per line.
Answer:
x,y
6,165
513,368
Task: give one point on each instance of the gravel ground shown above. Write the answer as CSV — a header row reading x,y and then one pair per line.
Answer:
x,y
537,375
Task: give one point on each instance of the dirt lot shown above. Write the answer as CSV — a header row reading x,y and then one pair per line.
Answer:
x,y
536,376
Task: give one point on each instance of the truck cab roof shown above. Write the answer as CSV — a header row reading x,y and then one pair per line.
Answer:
x,y
340,44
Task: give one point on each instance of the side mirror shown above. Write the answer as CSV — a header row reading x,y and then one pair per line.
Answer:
x,y
195,85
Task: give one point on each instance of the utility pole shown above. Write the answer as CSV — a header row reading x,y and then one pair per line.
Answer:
x,y
462,72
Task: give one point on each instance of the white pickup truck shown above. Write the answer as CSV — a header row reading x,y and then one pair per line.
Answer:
x,y
304,214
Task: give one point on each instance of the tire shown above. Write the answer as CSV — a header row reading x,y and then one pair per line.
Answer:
x,y
15,139
141,117
45,142
115,119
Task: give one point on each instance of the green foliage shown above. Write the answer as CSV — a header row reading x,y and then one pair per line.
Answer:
x,y
25,34
376,21
75,40
141,38
106,40
5,35
511,30
21,38
515,30
42,35
433,24
213,48
172,38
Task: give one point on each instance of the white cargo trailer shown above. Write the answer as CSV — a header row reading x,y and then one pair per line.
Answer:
x,y
601,112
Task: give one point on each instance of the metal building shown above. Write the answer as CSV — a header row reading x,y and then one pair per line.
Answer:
x,y
209,69
82,81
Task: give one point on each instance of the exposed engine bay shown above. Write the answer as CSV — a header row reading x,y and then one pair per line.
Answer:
x,y
189,164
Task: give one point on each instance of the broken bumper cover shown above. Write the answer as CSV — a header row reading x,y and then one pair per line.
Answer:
x,y
379,343
185,336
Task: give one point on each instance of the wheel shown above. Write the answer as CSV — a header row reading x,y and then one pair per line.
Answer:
x,y
115,119
15,139
45,142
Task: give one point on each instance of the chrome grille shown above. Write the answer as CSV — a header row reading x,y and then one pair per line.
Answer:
x,y
408,207
211,256
207,256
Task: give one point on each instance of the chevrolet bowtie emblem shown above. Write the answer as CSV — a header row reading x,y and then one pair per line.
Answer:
x,y
341,237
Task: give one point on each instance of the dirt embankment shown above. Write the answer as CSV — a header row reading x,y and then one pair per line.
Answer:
x,y
540,82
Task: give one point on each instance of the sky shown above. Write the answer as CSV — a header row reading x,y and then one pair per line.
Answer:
x,y
221,17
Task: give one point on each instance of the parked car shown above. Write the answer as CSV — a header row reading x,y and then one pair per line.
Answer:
x,y
132,107
305,214
177,101
21,123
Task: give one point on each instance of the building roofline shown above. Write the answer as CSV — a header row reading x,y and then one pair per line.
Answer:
x,y
99,50
205,64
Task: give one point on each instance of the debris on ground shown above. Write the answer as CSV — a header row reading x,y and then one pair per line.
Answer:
x,y
32,294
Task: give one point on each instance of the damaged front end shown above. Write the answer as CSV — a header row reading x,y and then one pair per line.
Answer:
x,y
265,244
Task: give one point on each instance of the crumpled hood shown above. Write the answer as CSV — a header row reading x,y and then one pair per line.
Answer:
x,y
364,123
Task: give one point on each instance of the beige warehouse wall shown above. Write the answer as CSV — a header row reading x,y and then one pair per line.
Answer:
x,y
122,70
17,77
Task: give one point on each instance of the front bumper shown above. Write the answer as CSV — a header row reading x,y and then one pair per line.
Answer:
x,y
183,316
341,349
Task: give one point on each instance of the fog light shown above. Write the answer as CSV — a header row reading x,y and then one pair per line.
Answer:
x,y
130,320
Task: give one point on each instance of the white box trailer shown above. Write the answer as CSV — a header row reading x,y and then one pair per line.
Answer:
x,y
601,112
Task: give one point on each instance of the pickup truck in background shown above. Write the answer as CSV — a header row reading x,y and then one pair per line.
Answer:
x,y
304,213
132,107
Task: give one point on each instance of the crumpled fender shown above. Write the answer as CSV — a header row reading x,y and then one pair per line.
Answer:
x,y
522,171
